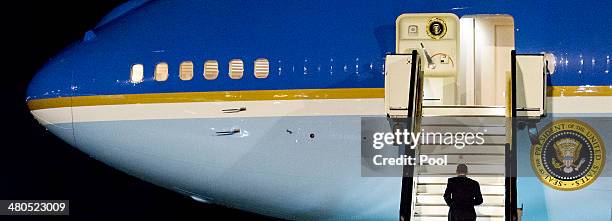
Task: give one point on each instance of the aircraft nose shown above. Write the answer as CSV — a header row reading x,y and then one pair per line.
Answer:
x,y
49,98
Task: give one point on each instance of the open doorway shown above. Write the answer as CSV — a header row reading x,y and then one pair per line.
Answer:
x,y
486,45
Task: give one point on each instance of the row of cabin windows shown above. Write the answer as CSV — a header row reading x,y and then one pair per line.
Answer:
x,y
211,70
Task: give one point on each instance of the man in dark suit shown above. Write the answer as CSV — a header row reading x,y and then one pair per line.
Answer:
x,y
461,195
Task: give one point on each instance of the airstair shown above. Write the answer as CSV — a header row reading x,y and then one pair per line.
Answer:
x,y
434,86
486,162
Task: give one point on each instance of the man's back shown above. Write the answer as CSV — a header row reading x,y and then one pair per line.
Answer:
x,y
461,195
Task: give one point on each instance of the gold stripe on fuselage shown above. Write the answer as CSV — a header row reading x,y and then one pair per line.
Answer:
x,y
256,95
576,91
184,97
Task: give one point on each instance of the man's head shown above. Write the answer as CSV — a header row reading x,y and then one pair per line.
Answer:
x,y
462,169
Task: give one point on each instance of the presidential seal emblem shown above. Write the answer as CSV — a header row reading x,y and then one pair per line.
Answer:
x,y
436,28
569,155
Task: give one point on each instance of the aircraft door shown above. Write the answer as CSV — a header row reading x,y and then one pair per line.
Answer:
x,y
530,90
435,36
402,85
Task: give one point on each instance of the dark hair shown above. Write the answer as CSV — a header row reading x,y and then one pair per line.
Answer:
x,y
462,168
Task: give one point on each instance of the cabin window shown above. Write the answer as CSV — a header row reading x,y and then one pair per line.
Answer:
x,y
186,71
161,71
137,73
262,68
211,70
236,69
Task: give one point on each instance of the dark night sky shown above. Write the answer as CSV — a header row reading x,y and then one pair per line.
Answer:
x,y
37,165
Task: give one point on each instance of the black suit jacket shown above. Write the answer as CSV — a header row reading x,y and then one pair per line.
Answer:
x,y
461,195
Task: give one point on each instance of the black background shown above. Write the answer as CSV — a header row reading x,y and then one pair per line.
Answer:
x,y
37,165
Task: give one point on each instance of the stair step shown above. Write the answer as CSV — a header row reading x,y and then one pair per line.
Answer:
x,y
451,169
473,149
473,159
486,130
464,111
439,218
438,199
500,180
430,204
465,121
443,210
439,189
488,140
